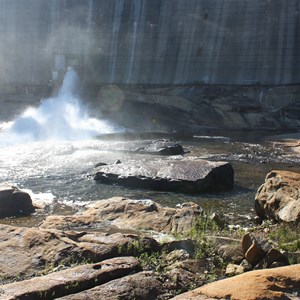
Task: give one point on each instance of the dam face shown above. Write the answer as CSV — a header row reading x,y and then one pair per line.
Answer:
x,y
236,42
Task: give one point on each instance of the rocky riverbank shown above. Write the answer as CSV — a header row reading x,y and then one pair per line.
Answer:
x,y
138,249
194,108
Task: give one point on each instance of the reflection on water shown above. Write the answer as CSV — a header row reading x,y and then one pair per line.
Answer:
x,y
61,169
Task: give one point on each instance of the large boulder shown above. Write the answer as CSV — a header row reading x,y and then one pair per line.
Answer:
x,y
14,201
129,214
187,176
277,283
278,199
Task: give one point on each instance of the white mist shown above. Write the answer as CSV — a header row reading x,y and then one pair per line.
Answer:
x,y
63,117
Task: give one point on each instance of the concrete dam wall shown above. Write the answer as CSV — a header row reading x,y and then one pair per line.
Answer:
x,y
243,42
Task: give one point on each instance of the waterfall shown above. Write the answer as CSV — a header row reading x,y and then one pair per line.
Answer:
x,y
63,117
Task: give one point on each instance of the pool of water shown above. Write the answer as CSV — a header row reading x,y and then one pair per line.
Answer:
x,y
58,172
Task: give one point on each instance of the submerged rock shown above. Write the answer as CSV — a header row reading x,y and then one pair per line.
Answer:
x,y
129,214
277,283
187,176
278,199
14,202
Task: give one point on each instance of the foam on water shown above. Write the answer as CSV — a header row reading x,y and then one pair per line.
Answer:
x,y
63,117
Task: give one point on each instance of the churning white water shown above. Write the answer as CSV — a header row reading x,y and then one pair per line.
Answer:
x,y
63,117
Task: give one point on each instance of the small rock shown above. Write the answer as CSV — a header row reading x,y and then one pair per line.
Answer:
x,y
232,270
277,264
218,219
275,255
163,147
252,250
185,244
231,253
246,265
177,255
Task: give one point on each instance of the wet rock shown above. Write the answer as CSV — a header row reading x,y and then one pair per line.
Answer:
x,y
163,147
187,176
129,214
142,286
156,147
14,202
277,283
31,251
70,281
278,199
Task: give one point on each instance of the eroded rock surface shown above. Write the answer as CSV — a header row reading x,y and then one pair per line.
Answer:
x,y
277,283
188,176
70,281
278,199
27,252
131,214
143,286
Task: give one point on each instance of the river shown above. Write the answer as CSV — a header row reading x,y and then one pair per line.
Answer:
x,y
50,150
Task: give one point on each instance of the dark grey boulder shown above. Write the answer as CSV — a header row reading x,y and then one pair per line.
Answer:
x,y
156,147
162,147
14,202
187,176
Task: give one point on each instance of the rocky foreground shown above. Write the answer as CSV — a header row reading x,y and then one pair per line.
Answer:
x,y
121,248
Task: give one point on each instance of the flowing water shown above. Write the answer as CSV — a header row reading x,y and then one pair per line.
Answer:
x,y
50,150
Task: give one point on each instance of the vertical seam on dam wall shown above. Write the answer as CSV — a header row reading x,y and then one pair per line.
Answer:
x,y
151,41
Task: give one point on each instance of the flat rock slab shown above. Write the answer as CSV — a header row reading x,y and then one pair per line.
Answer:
x,y
131,214
187,176
143,286
277,283
70,281
33,251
